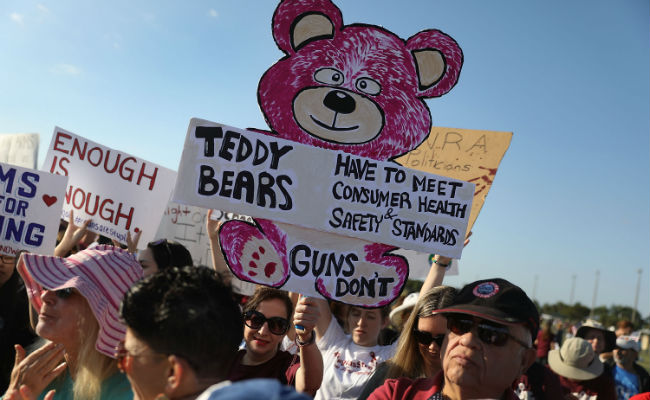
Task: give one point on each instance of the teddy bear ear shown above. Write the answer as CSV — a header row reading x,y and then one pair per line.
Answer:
x,y
298,22
438,60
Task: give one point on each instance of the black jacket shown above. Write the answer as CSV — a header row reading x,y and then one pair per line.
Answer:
x,y
14,325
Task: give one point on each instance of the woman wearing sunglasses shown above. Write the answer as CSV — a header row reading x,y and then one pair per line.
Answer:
x,y
77,300
267,317
418,348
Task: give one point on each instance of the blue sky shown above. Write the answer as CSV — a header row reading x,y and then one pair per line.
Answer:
x,y
570,79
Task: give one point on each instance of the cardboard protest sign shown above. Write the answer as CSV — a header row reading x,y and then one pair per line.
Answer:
x,y
466,154
341,104
186,225
314,263
30,208
263,176
118,191
19,149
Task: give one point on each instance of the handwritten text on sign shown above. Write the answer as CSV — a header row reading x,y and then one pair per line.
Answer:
x,y
466,154
118,191
263,176
30,208
186,225
315,263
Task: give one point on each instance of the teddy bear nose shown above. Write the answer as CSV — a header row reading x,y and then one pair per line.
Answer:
x,y
340,102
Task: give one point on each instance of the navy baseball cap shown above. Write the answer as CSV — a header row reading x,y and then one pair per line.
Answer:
x,y
496,300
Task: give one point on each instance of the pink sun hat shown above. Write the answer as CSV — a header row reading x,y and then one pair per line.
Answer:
x,y
101,274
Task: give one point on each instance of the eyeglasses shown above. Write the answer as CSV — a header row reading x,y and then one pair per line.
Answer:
x,y
489,332
64,293
7,259
255,320
425,338
125,358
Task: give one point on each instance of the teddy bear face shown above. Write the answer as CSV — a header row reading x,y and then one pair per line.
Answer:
x,y
355,92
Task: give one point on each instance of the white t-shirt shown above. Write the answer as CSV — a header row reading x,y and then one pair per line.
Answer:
x,y
348,366
289,345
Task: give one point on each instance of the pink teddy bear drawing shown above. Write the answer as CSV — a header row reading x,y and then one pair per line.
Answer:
x,y
355,88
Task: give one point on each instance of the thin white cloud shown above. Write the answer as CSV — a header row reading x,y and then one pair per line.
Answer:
x,y
213,13
17,18
66,69
42,8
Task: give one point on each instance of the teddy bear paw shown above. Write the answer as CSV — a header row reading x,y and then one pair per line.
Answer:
x,y
255,252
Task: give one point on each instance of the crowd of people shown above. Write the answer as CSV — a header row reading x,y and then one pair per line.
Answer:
x,y
102,321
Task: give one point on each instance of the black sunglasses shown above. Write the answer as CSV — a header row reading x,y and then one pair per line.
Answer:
x,y
255,320
64,293
489,332
7,259
425,338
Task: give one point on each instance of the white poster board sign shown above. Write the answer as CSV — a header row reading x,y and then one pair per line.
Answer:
x,y
314,263
30,208
186,225
330,191
118,191
19,149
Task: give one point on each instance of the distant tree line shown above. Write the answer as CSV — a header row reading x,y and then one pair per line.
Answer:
x,y
608,316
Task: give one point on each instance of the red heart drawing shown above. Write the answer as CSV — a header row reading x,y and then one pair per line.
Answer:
x,y
49,200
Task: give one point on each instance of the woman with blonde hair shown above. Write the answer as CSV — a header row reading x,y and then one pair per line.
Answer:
x,y
418,347
77,299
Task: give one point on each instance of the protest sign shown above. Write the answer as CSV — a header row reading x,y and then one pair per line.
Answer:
x,y
331,191
186,225
119,192
465,154
314,263
30,208
19,149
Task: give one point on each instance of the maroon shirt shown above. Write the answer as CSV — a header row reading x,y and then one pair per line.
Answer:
x,y
543,344
416,389
282,367
601,388
539,383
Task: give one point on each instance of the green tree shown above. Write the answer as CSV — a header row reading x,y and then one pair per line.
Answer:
x,y
608,316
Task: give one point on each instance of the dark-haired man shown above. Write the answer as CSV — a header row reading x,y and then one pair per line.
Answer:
x,y
490,330
183,332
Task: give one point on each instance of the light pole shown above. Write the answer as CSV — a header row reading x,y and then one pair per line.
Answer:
x,y
593,299
636,296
